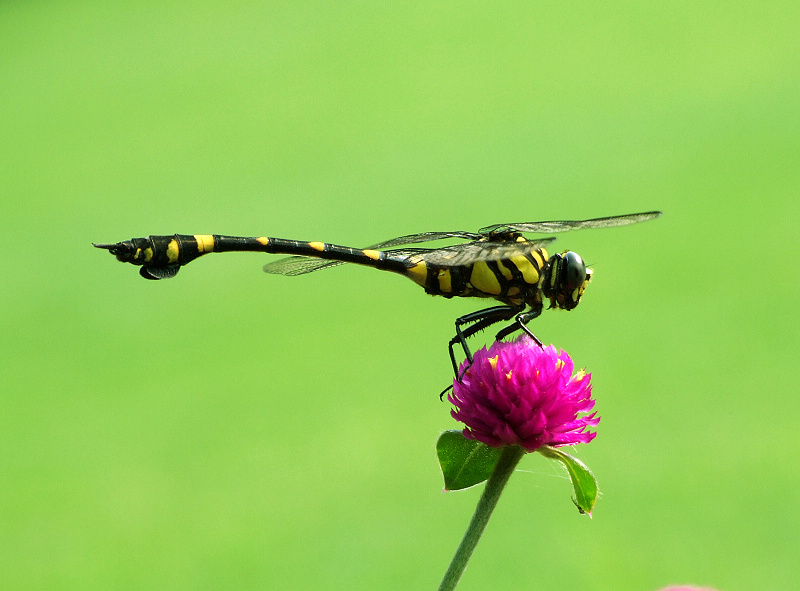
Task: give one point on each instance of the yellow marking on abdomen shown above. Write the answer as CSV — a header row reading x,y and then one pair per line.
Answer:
x,y
418,273
148,254
205,243
263,240
173,251
483,279
373,254
445,281
320,246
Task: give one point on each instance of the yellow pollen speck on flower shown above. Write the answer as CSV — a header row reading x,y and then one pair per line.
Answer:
x,y
559,365
508,375
493,361
579,375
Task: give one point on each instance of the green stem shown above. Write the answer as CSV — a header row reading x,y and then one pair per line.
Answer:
x,y
509,458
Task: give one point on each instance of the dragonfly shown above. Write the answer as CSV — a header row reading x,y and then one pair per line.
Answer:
x,y
495,263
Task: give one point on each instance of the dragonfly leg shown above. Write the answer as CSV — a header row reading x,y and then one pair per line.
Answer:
x,y
521,323
483,319
477,321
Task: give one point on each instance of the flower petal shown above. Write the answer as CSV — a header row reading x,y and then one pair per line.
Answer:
x,y
517,393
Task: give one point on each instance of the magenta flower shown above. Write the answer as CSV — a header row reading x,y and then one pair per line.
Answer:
x,y
518,393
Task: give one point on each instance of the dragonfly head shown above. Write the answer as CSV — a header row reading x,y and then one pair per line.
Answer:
x,y
567,280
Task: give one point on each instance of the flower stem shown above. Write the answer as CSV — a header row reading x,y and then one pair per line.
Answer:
x,y
509,458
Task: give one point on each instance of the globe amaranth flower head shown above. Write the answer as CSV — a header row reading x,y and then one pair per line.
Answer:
x,y
518,393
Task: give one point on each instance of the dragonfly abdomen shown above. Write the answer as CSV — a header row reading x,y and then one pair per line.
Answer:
x,y
162,256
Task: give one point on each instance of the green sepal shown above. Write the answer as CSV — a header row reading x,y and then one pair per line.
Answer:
x,y
464,462
584,483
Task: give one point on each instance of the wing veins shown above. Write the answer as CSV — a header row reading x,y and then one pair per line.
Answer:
x,y
567,225
300,265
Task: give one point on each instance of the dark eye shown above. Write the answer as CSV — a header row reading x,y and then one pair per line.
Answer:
x,y
575,270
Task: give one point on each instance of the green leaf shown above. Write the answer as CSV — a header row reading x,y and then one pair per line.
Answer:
x,y
584,483
464,462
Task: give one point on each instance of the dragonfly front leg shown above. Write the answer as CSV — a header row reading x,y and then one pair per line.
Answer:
x,y
521,323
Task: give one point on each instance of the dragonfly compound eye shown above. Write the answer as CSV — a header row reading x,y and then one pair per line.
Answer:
x,y
574,271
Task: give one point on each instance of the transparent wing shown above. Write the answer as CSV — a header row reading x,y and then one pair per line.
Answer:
x,y
425,237
300,265
464,254
566,225
484,250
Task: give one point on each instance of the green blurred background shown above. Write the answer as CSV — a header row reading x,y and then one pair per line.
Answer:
x,y
231,429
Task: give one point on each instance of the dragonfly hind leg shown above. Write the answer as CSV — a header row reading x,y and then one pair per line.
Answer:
x,y
483,319
478,321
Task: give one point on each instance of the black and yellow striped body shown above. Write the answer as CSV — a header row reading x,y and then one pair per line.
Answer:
x,y
162,256
496,262
515,281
